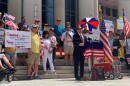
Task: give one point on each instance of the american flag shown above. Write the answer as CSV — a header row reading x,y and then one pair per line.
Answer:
x,y
10,23
126,26
9,16
106,46
98,53
94,49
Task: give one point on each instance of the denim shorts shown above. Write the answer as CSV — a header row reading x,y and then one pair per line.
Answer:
x,y
11,55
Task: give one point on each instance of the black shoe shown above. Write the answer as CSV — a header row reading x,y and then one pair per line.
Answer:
x,y
29,78
61,58
36,77
77,79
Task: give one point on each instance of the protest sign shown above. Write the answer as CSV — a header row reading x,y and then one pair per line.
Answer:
x,y
1,36
19,39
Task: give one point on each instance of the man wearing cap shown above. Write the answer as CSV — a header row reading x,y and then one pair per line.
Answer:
x,y
34,52
67,38
79,42
58,30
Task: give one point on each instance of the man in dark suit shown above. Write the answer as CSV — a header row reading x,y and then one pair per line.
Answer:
x,y
78,41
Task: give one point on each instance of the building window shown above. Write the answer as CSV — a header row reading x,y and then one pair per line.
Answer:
x,y
48,12
71,12
114,12
102,8
108,11
3,6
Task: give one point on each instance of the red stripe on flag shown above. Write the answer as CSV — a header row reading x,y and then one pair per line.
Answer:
x,y
106,46
98,53
126,27
10,23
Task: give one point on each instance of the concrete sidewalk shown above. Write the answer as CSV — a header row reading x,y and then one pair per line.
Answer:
x,y
68,82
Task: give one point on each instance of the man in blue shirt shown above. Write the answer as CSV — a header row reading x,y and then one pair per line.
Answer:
x,y
58,30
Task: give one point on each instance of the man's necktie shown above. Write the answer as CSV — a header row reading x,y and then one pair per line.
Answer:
x,y
81,38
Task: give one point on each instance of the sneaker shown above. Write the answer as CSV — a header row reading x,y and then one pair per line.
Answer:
x,y
54,73
29,78
36,77
15,79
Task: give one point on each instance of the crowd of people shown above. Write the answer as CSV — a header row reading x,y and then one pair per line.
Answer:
x,y
45,43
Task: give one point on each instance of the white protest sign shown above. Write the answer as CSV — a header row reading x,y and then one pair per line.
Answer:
x,y
1,36
22,50
120,24
96,31
108,25
20,39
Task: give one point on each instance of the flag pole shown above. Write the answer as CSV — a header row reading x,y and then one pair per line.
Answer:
x,y
123,17
4,18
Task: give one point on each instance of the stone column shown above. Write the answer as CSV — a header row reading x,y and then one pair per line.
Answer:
x,y
32,9
59,11
88,8
14,9
124,4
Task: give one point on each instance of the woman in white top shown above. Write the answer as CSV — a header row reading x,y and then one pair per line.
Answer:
x,y
47,52
53,42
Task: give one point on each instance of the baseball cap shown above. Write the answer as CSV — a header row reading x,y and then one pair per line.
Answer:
x,y
67,23
51,29
46,24
37,20
34,26
58,19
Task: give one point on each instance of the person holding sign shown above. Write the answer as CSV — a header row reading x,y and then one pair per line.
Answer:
x,y
10,53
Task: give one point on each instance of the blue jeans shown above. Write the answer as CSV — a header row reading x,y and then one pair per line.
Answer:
x,y
11,55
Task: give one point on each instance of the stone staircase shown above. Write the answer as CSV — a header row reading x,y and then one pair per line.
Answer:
x,y
61,70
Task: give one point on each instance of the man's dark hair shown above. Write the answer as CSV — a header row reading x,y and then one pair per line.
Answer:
x,y
23,17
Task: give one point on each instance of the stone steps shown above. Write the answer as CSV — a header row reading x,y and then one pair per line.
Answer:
x,y
40,67
61,70
47,76
24,72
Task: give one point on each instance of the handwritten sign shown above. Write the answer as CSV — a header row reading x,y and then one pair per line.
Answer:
x,y
108,25
120,23
1,36
19,39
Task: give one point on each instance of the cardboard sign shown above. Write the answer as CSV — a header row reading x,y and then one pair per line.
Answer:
x,y
1,37
120,24
19,39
